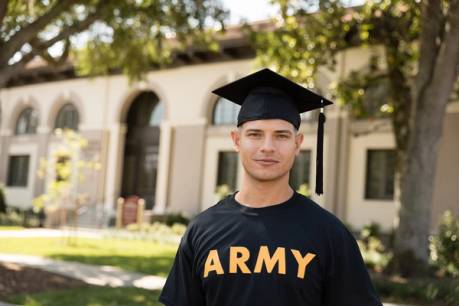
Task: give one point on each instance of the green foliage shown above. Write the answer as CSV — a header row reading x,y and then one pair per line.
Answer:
x,y
374,253
65,169
310,35
132,36
444,247
158,228
222,191
418,291
304,190
19,217
171,218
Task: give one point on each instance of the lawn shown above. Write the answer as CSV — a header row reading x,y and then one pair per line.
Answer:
x,y
90,296
131,255
10,228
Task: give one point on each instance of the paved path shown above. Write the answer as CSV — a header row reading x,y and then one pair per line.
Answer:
x,y
51,233
91,274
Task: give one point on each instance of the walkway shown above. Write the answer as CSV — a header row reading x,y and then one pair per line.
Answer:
x,y
91,274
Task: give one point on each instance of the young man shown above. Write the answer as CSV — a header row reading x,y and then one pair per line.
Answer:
x,y
266,244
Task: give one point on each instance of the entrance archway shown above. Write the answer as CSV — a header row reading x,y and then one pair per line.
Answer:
x,y
141,148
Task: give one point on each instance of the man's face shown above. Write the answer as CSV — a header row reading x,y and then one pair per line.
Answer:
x,y
267,148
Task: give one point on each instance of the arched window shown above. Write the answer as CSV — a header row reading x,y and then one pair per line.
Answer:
x,y
157,114
67,117
225,112
27,122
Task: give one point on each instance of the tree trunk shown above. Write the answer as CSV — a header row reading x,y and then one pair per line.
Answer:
x,y
434,84
417,186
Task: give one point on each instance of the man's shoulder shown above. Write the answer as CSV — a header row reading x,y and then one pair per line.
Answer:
x,y
324,218
208,215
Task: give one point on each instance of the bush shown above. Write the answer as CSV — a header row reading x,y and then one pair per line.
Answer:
x,y
444,247
171,218
18,217
372,248
443,291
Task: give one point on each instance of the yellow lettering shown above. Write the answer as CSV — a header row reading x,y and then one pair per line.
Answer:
x,y
302,261
238,261
213,263
270,262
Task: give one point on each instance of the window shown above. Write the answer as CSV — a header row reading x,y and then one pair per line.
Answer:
x,y
67,117
18,171
227,169
225,112
27,122
157,115
299,174
380,173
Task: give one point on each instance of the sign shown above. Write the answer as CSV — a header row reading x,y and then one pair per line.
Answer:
x,y
129,211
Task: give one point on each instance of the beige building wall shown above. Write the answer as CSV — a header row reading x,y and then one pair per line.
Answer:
x,y
189,144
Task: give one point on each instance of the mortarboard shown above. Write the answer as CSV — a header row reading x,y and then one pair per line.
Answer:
x,y
268,95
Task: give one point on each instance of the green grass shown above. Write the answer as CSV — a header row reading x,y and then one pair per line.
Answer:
x,y
138,256
10,228
91,296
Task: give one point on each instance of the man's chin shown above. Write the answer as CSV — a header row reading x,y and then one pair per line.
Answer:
x,y
265,177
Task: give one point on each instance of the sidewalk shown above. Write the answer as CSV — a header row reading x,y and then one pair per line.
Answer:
x,y
52,233
91,274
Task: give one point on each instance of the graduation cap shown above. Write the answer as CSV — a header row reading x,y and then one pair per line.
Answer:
x,y
268,95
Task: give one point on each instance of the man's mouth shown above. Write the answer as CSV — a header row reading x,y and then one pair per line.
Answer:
x,y
266,161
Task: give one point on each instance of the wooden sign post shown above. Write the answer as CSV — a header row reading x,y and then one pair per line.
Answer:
x,y
129,211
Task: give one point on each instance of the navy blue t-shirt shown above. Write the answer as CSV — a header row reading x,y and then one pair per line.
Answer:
x,y
292,253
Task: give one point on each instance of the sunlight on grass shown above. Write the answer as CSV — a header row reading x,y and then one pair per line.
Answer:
x,y
92,296
139,256
10,228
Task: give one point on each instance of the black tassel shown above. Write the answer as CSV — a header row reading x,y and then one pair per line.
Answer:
x,y
319,157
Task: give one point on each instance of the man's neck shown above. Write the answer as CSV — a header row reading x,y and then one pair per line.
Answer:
x,y
261,194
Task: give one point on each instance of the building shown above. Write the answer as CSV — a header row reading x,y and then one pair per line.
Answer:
x,y
167,139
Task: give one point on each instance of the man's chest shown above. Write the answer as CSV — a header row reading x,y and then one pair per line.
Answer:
x,y
257,253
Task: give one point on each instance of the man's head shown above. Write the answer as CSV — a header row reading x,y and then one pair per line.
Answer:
x,y
271,103
267,148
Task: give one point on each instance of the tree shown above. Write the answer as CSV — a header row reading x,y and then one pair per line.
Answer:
x,y
64,170
123,34
421,51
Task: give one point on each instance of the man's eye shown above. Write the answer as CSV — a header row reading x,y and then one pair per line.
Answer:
x,y
283,136
253,134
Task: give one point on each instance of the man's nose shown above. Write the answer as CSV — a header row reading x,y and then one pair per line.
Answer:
x,y
268,144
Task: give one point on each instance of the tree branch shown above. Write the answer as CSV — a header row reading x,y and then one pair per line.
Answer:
x,y
31,30
3,10
69,31
43,53
9,71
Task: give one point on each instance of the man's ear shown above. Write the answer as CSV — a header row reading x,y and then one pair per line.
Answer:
x,y
236,137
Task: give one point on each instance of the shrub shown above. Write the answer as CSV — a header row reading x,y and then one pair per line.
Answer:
x,y
444,291
171,218
18,217
444,247
372,248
